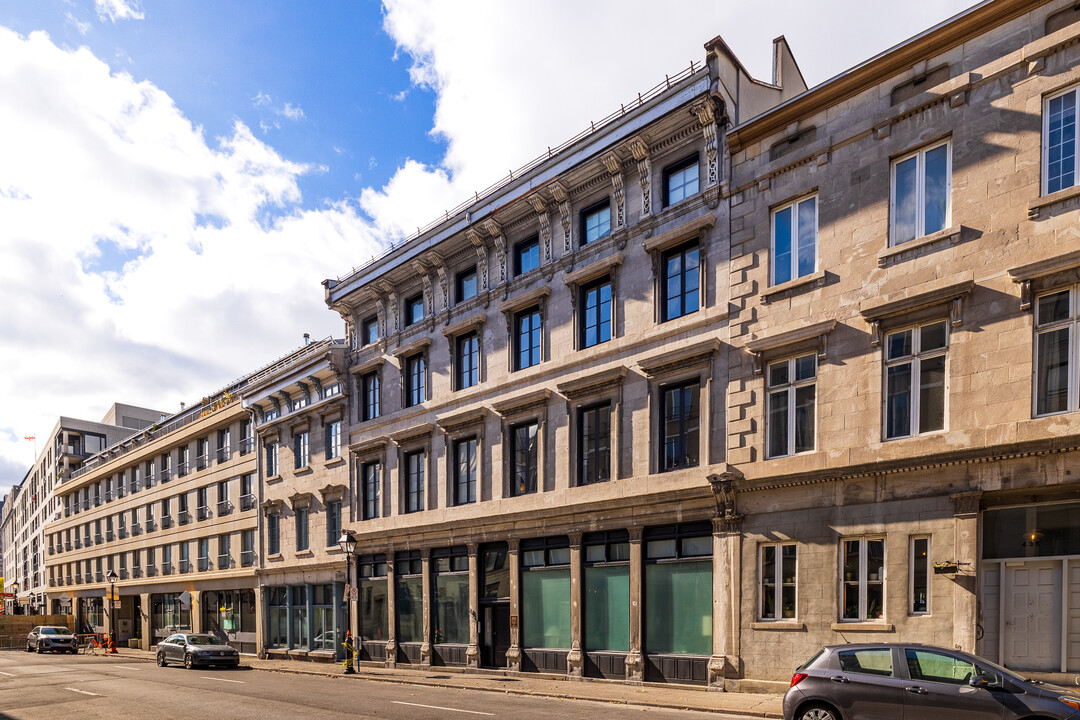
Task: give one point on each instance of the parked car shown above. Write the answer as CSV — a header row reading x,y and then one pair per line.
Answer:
x,y
897,681
193,650
54,638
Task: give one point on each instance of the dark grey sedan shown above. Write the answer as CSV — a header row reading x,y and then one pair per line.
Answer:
x,y
918,682
196,650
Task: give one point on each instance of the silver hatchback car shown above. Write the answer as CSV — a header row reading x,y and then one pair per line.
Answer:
x,y
909,682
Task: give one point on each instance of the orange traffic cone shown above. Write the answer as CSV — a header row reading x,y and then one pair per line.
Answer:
x,y
112,647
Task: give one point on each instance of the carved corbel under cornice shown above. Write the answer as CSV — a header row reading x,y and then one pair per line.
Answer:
x,y
723,487
639,148
562,197
544,218
614,167
494,230
481,257
705,112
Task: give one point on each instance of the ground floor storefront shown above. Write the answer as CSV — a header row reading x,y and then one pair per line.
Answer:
x,y
305,613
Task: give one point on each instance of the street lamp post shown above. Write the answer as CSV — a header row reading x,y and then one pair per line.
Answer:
x,y
112,578
348,546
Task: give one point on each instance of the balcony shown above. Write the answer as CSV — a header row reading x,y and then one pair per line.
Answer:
x,y
78,578
122,533
223,454
52,582
120,492
166,522
224,562
136,572
247,445
181,469
247,558
151,526
224,508
67,546
204,564
67,580
201,461
110,535
185,566
133,488
148,481
86,504
166,568
99,577
51,551
151,571
184,517
165,475
123,574
202,512
136,529
108,496
97,501
78,544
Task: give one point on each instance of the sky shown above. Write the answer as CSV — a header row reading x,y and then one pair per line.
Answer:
x,y
177,178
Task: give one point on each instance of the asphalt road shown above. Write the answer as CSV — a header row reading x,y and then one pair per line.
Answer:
x,y
67,687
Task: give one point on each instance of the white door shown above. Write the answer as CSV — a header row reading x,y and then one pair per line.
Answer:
x,y
1033,615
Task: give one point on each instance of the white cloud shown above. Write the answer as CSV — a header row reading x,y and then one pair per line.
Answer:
x,y
119,10
292,112
143,258
400,97
81,27
261,98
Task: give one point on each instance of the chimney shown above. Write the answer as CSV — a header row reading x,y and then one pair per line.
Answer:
x,y
182,406
307,339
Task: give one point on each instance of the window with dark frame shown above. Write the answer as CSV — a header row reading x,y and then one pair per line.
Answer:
x,y
300,451
468,360
596,316
302,515
333,440
414,310
680,283
921,571
526,255
681,443
594,444
465,285
527,338
415,462
369,332
333,523
371,472
415,379
465,471
271,459
273,534
524,451
595,221
370,387
681,180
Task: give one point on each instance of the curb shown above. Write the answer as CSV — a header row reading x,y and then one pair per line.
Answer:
x,y
506,691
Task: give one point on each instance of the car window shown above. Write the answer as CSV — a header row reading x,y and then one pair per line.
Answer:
x,y
201,640
173,639
50,631
35,631
938,667
870,661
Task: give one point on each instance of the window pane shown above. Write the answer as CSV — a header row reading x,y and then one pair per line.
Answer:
x,y
660,549
898,401
869,661
778,423
788,581
545,608
936,189
875,576
678,608
409,604
1053,308
690,281
496,575
1052,380
804,418
451,611
525,459
768,582
373,610
1061,142
932,337
937,667
807,236
805,367
778,373
898,344
932,394
905,208
851,579
782,246
920,587
607,608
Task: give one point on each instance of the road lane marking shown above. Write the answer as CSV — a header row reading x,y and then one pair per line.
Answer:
x,y
8,674
437,707
125,667
207,677
83,692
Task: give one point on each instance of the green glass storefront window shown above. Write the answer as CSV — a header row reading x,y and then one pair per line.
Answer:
x,y
607,608
545,608
678,608
451,614
409,603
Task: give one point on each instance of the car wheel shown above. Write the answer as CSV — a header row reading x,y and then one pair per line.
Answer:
x,y
189,662
28,648
818,712
161,662
40,650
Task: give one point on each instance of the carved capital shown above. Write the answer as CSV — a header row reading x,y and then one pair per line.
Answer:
x,y
966,503
723,487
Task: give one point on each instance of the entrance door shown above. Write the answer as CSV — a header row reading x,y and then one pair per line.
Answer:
x,y
1033,615
494,634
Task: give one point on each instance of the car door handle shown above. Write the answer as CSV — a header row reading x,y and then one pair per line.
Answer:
x,y
838,679
916,690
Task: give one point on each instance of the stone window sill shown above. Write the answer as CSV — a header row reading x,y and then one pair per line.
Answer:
x,y
950,233
790,625
275,556
1035,206
881,627
817,279
334,463
273,479
306,470
305,554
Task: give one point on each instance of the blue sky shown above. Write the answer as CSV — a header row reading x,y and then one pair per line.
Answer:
x,y
177,178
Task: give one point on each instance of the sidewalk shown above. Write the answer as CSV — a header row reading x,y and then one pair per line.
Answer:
x,y
678,697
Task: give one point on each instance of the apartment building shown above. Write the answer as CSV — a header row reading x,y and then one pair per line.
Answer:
x,y
747,369
170,515
32,503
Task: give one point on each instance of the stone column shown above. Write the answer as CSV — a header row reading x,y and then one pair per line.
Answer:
x,y
472,653
261,620
727,546
144,622
635,661
513,655
425,649
965,590
196,611
575,660
391,612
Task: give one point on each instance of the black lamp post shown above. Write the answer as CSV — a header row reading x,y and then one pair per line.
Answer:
x,y
348,546
112,578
